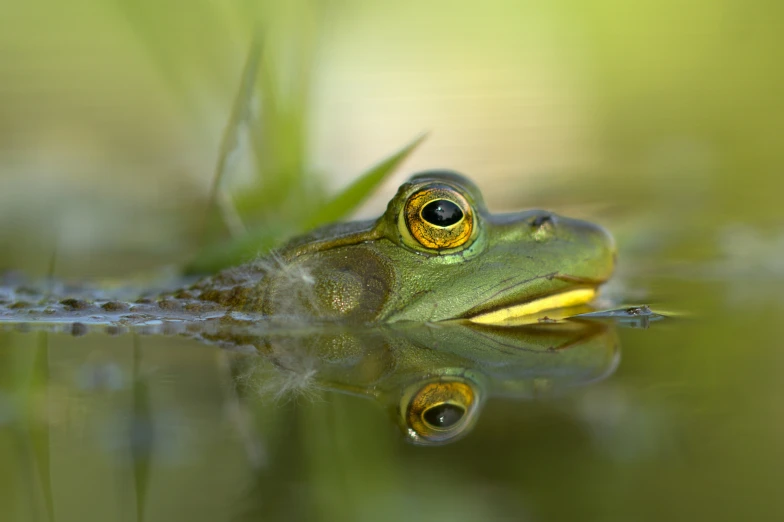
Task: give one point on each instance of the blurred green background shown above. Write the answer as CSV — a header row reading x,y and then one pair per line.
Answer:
x,y
113,113
662,120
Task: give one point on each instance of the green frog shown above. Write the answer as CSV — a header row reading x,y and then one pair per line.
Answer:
x,y
436,254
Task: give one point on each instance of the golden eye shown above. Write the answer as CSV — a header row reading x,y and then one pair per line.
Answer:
x,y
439,217
438,411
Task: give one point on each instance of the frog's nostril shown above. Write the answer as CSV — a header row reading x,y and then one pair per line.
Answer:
x,y
542,220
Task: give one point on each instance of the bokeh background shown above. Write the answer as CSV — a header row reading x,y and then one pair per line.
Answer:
x,y
113,112
662,120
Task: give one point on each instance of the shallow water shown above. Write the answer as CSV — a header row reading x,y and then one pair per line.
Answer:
x,y
684,421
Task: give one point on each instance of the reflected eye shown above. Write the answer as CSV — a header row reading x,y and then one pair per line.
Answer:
x,y
439,411
439,217
443,415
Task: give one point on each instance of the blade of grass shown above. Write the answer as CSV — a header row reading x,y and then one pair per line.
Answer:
x,y
344,203
230,142
278,128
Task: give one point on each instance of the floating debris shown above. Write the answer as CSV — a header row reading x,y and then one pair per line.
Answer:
x,y
638,316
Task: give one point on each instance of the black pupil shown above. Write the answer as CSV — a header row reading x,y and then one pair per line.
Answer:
x,y
442,213
443,415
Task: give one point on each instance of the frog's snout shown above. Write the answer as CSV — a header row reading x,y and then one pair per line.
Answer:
x,y
599,251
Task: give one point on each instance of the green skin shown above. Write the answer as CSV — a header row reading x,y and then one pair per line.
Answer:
x,y
369,272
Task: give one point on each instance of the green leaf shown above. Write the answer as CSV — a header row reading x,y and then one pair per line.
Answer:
x,y
348,200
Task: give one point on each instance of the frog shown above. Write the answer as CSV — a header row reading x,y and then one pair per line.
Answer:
x,y
435,254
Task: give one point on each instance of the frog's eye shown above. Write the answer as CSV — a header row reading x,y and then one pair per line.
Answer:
x,y
438,217
439,411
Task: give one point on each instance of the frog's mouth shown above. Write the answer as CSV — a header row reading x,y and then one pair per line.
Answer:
x,y
580,291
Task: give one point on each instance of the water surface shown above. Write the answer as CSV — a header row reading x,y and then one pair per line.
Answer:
x,y
684,421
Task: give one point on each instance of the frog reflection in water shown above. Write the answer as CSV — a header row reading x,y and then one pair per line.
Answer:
x,y
435,255
434,380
